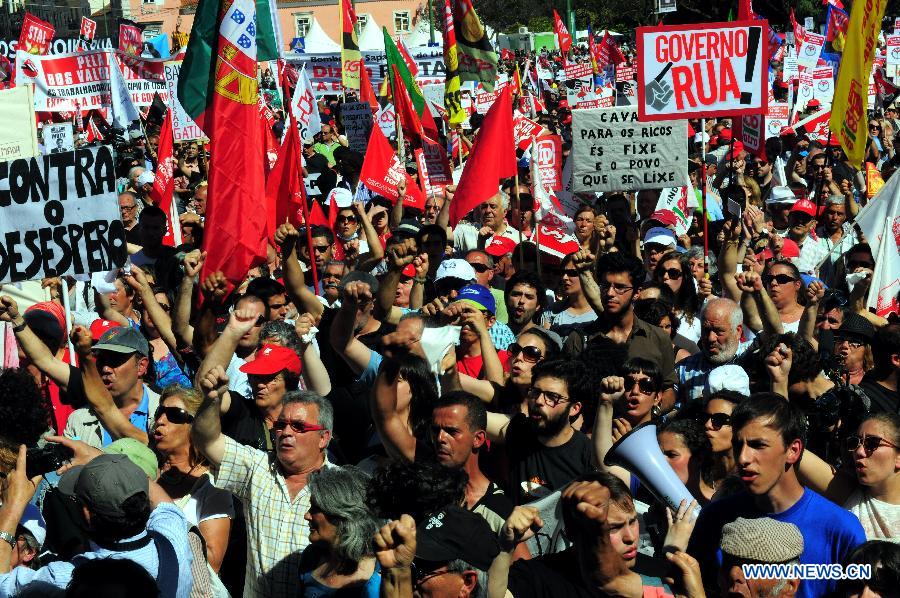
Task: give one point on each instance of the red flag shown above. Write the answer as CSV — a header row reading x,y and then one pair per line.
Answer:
x,y
507,54
366,91
88,29
407,58
317,215
493,157
285,192
837,21
36,35
236,222
564,39
614,53
835,3
406,112
131,37
799,30
164,181
745,10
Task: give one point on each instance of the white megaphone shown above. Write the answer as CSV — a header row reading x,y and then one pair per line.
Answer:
x,y
638,452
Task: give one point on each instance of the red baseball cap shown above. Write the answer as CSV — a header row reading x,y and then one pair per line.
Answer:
x,y
813,103
271,359
499,246
725,135
805,206
98,327
665,217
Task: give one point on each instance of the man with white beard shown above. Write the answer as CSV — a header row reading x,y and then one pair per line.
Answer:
x,y
722,326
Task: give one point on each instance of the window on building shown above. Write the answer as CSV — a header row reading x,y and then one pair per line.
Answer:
x,y
302,23
401,21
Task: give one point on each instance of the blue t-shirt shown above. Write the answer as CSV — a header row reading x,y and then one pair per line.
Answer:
x,y
829,534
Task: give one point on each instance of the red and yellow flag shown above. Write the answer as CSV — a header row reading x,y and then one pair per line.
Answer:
x,y
350,55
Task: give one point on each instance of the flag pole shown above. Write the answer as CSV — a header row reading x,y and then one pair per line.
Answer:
x,y
521,215
821,175
68,314
703,196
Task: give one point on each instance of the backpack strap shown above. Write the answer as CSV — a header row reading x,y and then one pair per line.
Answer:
x,y
168,570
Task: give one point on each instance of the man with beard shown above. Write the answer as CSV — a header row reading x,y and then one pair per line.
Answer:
x,y
545,452
331,280
721,329
524,297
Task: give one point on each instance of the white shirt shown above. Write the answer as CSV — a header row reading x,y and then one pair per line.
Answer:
x,y
812,253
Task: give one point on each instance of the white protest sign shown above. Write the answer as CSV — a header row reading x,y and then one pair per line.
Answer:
x,y
823,84
804,91
675,199
57,138
59,215
776,119
387,120
434,93
626,93
356,117
613,151
17,107
810,50
707,70
791,69
892,54
524,129
183,126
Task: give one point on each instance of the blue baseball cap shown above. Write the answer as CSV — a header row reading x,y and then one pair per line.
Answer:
x,y
479,296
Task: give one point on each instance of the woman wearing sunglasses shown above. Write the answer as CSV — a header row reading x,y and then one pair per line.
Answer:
x,y
781,280
716,422
573,309
674,270
643,384
871,491
184,473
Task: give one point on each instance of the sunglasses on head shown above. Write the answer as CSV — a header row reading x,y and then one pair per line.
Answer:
x,y
870,443
175,415
645,385
718,420
779,278
280,425
529,353
672,273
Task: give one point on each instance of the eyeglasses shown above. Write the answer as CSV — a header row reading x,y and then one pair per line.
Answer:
x,y
553,399
853,344
321,248
645,385
480,268
112,359
618,289
874,128
131,207
779,278
346,219
672,273
300,427
420,577
870,443
175,415
529,353
718,420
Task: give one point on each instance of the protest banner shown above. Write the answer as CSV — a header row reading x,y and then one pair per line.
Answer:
x,y
626,93
814,125
625,72
524,129
485,99
387,120
57,138
675,199
577,70
88,29
130,38
549,161
579,81
356,118
183,126
82,80
35,35
597,97
892,53
810,49
706,70
437,164
60,215
776,119
823,84
613,151
750,130
8,47
325,69
17,107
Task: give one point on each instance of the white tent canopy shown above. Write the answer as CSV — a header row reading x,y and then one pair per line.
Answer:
x,y
371,38
420,36
318,42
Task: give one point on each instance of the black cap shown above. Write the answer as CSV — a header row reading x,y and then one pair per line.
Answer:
x,y
856,327
454,533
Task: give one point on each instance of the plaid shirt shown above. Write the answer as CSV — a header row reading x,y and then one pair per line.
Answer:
x,y
276,529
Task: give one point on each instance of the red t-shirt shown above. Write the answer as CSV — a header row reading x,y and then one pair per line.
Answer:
x,y
472,366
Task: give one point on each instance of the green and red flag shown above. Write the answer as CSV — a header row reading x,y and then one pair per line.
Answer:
x,y
402,76
350,55
477,58
218,83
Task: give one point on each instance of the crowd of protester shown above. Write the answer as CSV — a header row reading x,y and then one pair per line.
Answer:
x,y
435,416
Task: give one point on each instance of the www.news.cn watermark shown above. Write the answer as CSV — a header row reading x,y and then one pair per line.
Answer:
x,y
831,572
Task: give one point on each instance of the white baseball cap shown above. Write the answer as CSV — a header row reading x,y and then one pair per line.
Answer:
x,y
455,268
146,178
342,197
781,195
661,236
728,377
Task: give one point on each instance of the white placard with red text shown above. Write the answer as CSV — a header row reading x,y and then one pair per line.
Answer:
x,y
549,152
810,50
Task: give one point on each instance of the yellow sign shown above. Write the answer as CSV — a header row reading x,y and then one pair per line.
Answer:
x,y
848,111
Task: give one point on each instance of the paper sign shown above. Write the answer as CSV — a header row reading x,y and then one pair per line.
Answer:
x,y
356,117
706,70
16,108
625,72
823,84
614,151
60,216
387,120
804,90
524,129
58,138
776,119
549,152
675,199
892,54
791,69
577,70
808,55
183,126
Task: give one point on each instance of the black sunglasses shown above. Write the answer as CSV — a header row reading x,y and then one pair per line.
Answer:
x,y
645,385
672,273
870,443
480,268
718,420
529,353
779,278
175,415
834,297
346,219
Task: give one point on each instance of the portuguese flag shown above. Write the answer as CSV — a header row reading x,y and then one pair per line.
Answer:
x,y
403,76
221,93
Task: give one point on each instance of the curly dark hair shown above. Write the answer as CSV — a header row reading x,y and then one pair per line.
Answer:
x,y
418,489
24,410
806,362
687,299
616,262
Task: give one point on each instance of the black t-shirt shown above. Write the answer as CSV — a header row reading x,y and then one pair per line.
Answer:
x,y
537,470
552,576
133,234
246,425
883,399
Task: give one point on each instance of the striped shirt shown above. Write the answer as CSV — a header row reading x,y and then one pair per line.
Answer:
x,y
692,373
277,532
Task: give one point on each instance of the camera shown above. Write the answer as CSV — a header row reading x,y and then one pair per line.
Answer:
x,y
39,461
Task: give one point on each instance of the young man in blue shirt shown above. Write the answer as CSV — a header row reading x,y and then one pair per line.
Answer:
x,y
769,434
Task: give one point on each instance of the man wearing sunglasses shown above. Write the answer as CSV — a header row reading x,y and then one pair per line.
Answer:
x,y
483,264
272,487
769,438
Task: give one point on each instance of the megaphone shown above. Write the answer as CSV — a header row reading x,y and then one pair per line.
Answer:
x,y
638,452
